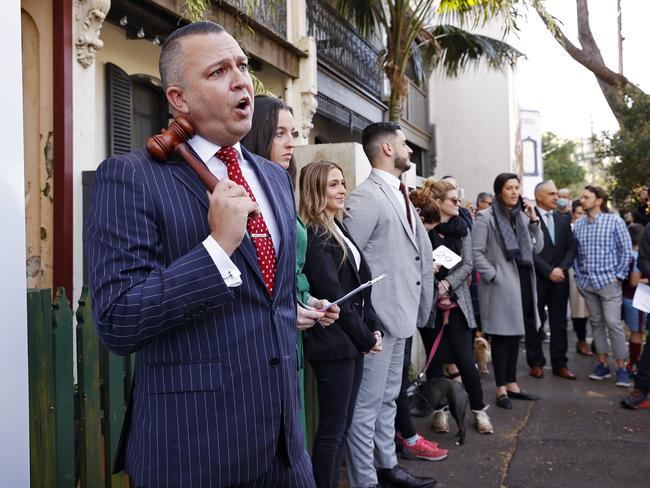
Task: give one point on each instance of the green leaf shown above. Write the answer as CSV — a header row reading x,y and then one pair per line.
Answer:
x,y
458,49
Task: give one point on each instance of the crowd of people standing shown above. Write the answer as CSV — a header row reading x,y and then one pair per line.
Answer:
x,y
227,296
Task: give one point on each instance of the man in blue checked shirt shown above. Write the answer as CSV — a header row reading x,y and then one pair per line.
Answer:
x,y
603,261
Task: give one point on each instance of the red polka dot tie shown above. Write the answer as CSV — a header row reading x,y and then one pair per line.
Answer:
x,y
256,227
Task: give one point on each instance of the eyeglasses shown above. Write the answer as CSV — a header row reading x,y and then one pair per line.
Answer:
x,y
455,201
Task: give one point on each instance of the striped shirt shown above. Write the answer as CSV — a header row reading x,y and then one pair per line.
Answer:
x,y
604,251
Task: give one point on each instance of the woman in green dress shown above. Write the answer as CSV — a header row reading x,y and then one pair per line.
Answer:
x,y
272,136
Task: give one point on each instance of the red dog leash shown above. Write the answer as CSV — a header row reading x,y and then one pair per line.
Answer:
x,y
420,378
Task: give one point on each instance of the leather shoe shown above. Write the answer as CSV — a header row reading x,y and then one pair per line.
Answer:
x,y
504,402
583,348
522,395
537,372
565,373
398,477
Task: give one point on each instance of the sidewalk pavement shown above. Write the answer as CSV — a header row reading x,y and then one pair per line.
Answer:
x,y
575,436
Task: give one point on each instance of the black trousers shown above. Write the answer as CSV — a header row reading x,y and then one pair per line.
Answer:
x,y
505,350
555,296
580,327
455,347
403,420
642,377
338,384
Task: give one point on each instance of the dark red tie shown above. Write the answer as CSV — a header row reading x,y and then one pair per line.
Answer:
x,y
402,188
256,227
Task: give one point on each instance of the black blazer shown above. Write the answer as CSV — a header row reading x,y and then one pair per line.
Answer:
x,y
558,255
352,333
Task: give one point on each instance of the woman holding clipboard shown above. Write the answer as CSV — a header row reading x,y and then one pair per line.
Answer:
x,y
334,266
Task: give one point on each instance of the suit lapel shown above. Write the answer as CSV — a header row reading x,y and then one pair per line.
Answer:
x,y
388,191
188,177
350,257
547,235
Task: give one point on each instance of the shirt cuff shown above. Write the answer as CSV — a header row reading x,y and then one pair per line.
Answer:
x,y
229,272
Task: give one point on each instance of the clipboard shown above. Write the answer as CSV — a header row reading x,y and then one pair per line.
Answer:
x,y
353,292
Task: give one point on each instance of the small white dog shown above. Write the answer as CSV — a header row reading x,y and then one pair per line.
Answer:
x,y
482,353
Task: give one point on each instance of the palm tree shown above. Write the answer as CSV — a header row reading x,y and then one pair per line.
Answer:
x,y
414,34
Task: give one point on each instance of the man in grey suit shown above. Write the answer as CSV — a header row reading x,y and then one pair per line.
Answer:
x,y
386,227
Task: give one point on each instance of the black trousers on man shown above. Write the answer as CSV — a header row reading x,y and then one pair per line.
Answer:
x,y
555,296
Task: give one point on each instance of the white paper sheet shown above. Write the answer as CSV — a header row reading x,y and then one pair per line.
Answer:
x,y
642,298
445,257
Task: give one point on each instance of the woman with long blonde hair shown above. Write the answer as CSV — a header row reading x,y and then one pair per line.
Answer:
x,y
334,266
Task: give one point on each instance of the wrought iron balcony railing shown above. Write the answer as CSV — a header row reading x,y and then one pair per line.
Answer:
x,y
341,48
271,14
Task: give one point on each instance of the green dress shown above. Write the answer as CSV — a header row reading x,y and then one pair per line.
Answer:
x,y
308,393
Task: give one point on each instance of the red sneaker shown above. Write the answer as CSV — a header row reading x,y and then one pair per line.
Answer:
x,y
422,449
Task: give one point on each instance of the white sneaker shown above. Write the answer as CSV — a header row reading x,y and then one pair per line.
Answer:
x,y
441,419
483,423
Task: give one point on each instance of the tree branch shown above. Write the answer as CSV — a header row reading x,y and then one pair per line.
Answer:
x,y
589,56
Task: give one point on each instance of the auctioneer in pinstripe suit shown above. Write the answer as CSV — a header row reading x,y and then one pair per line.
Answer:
x,y
205,346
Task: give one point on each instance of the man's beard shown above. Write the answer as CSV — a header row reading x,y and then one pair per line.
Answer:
x,y
402,164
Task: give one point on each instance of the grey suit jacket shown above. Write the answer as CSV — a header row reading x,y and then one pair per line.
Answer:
x,y
457,279
499,291
378,225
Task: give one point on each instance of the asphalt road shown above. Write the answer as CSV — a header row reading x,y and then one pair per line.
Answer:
x,y
575,436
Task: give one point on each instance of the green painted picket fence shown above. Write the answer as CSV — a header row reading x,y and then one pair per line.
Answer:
x,y
74,427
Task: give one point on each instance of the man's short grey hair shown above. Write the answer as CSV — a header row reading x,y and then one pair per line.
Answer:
x,y
171,64
539,185
482,197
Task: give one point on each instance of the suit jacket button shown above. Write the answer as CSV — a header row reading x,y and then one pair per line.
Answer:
x,y
417,258
275,362
417,283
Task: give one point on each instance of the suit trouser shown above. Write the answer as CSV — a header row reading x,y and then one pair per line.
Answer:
x,y
604,307
642,377
555,296
373,423
403,421
282,475
338,384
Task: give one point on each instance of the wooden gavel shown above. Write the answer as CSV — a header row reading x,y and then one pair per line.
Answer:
x,y
172,140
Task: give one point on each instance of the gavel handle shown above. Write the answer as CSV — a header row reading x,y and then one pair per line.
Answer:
x,y
204,174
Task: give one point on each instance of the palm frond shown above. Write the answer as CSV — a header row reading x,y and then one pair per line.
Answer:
x,y
458,49
368,16
477,13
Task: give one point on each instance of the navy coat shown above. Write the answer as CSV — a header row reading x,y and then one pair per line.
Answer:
x,y
216,376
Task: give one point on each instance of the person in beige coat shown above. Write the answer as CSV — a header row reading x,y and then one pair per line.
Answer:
x,y
504,238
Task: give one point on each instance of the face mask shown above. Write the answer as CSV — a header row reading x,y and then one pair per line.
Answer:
x,y
562,202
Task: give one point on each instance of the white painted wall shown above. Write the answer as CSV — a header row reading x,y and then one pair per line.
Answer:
x,y
14,381
476,125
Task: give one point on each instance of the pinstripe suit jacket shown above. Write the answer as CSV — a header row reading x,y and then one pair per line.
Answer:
x,y
215,378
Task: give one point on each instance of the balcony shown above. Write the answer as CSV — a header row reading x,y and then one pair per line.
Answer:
x,y
415,106
271,14
342,49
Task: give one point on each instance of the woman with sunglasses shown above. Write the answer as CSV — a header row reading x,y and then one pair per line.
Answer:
x,y
457,335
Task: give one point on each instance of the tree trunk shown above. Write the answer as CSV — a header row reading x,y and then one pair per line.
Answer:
x,y
395,105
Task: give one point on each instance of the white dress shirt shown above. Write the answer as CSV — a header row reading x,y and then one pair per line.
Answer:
x,y
356,255
206,151
545,216
394,184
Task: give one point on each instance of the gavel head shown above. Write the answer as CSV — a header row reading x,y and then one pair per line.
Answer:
x,y
162,145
